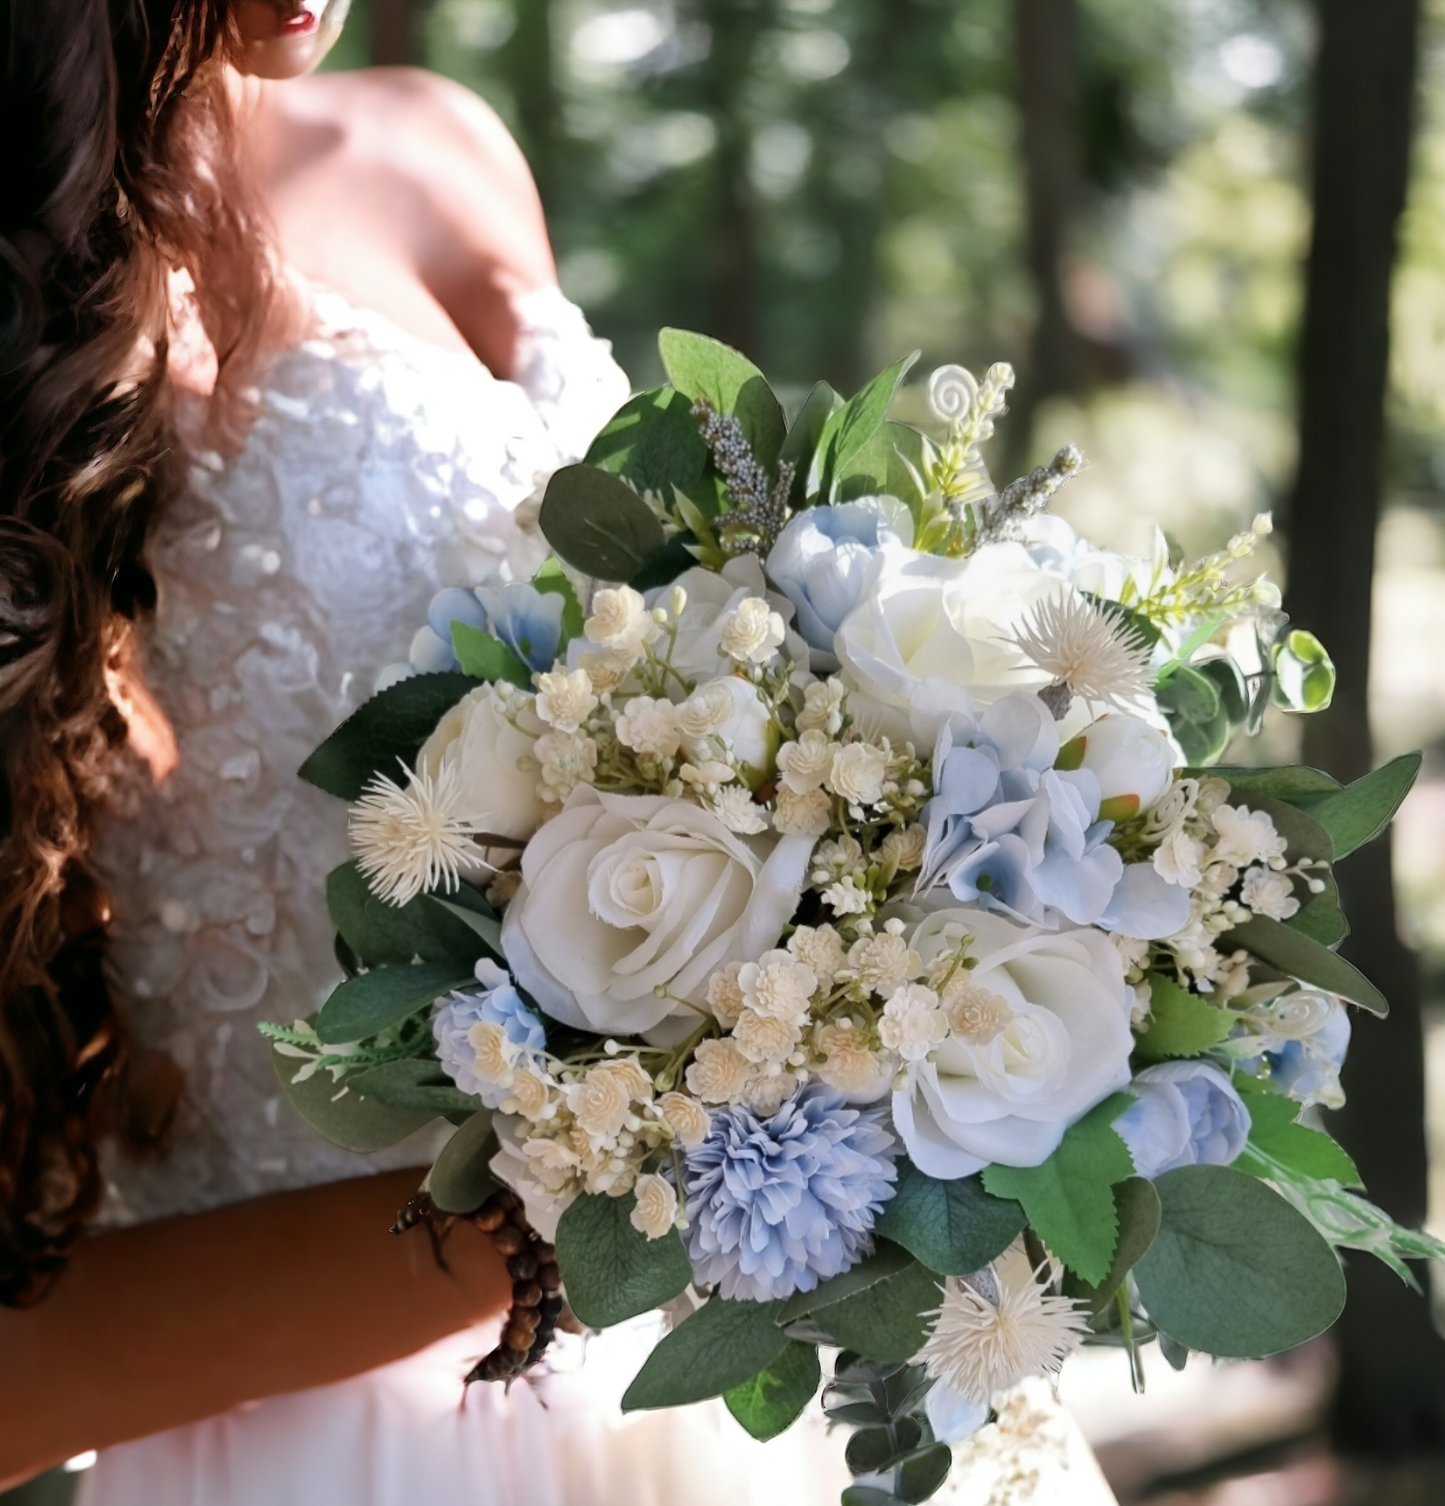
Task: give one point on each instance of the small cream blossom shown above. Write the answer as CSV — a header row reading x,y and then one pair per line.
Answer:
x,y
752,633
566,759
765,1038
649,726
530,1094
718,1071
802,815
734,806
410,840
686,1118
620,622
975,1014
601,1103
849,1065
495,1052
706,711
905,848
707,775
725,996
912,1023
822,707
766,1092
1133,952
633,1077
858,772
606,671
778,986
820,948
884,962
846,898
565,698
804,764
1178,859
656,1209
1246,837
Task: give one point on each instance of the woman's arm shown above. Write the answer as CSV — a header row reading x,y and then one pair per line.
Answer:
x,y
170,1322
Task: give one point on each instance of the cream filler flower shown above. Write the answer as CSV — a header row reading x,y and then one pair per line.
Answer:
x,y
778,986
822,707
1268,893
1246,837
565,698
649,727
620,623
912,1023
857,773
718,1072
655,1211
686,1118
802,815
752,632
805,763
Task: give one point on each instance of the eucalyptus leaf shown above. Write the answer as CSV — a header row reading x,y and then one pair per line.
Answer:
x,y
1319,916
869,1495
701,367
807,428
379,932
663,566
414,1083
1296,784
611,1270
773,1400
720,1346
886,1321
384,733
1286,1145
953,1227
461,1180
342,1116
1360,812
886,1260
890,464
1297,955
482,924
853,425
873,1449
598,524
375,1001
923,1472
654,443
1234,1271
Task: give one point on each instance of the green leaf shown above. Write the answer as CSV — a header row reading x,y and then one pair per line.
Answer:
x,y
462,1180
886,1260
1068,1199
1291,1146
479,919
718,1347
923,1472
802,441
348,1120
886,1320
1233,694
868,1495
664,565
773,1400
381,733
415,1083
1320,916
488,658
654,444
890,464
874,1449
1304,676
598,524
612,1271
375,1001
1138,1209
1360,812
1234,1271
1190,695
952,1227
552,581
378,932
1295,784
1180,1023
1298,956
854,424
701,367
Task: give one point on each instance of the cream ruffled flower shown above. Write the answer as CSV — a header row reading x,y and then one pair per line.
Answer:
x,y
725,996
778,986
718,1071
912,1023
656,1208
765,1038
686,1118
649,726
857,773
820,948
1246,837
822,707
752,632
997,1327
804,764
620,622
565,698
802,815
1268,893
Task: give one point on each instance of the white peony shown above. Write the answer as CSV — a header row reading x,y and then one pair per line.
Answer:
x,y
933,635
623,895
1008,1094
1132,761
487,751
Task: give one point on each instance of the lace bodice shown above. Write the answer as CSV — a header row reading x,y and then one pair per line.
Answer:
x,y
380,469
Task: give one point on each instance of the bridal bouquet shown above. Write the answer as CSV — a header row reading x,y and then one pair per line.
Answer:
x,y
814,897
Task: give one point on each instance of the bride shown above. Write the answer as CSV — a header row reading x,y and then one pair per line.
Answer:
x,y
280,357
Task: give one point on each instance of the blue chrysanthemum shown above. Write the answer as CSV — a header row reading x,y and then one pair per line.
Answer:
x,y
775,1206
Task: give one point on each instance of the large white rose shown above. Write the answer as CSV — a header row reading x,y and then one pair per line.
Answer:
x,y
1051,1039
625,894
937,635
498,792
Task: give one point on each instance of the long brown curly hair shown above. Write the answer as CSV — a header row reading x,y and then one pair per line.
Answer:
x,y
119,171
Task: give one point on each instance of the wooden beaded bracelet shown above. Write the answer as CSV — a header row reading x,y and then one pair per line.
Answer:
x,y
537,1301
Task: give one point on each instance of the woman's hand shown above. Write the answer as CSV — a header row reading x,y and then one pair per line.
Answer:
x,y
170,1322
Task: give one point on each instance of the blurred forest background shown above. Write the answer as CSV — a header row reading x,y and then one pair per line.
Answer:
x,y
1181,220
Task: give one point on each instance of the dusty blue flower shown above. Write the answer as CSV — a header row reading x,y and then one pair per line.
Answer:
x,y
1184,1114
527,620
775,1206
496,1002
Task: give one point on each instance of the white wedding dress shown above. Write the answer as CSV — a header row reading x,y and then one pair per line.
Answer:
x,y
380,469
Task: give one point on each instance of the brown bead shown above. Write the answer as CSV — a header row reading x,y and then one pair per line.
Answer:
x,y
549,1278
517,1338
490,1218
524,1317
545,1253
522,1266
507,1199
526,1294
508,1240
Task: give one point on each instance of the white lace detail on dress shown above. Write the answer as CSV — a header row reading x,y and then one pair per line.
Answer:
x,y
380,469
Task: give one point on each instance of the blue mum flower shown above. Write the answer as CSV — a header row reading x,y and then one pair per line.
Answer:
x,y
775,1206
497,1002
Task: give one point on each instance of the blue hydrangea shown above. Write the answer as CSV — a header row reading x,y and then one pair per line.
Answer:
x,y
775,1206
497,1002
527,620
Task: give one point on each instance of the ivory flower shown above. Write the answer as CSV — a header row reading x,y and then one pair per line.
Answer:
x,y
820,948
765,1038
778,985
752,633
685,1117
858,772
718,1071
804,764
649,726
912,1023
802,815
1246,837
620,622
565,698
822,707
655,1211
1268,893
725,995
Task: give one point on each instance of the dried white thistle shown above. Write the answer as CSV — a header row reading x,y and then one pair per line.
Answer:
x,y
1092,653
410,840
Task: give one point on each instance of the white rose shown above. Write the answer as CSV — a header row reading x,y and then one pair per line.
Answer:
x,y
625,894
488,751
1008,1094
934,635
711,598
1129,758
731,718
857,773
656,1208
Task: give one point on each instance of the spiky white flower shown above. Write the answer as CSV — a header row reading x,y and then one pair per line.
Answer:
x,y
999,1326
410,840
1095,655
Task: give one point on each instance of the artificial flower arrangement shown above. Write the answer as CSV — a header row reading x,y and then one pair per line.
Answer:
x,y
812,900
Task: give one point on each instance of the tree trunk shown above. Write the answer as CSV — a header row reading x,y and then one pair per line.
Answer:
x,y
1391,1398
532,72
1046,66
